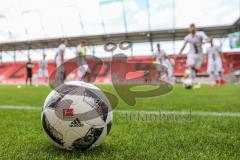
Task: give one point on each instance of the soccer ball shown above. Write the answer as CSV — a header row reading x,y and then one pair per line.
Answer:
x,y
76,116
188,83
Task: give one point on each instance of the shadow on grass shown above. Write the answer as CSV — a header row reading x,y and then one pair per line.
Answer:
x,y
102,150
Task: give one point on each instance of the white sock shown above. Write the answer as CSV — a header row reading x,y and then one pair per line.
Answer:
x,y
213,77
192,75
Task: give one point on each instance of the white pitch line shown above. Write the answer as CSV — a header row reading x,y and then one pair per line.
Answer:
x,y
20,108
193,113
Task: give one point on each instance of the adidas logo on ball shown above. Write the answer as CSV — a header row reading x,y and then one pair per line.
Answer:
x,y
76,123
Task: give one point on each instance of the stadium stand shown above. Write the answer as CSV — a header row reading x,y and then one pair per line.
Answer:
x,y
14,73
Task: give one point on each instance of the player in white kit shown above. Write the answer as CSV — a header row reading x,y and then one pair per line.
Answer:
x,y
83,69
43,69
59,60
163,60
215,66
195,55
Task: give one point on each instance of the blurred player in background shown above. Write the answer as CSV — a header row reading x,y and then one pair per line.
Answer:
x,y
83,69
43,71
29,66
215,66
163,60
195,55
59,60
1,59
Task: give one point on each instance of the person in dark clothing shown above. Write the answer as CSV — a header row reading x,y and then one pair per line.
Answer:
x,y
29,66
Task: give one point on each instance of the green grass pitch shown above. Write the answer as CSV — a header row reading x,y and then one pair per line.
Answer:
x,y
132,137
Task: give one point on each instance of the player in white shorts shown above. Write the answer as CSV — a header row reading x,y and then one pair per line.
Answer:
x,y
43,71
163,60
59,60
83,69
215,66
195,55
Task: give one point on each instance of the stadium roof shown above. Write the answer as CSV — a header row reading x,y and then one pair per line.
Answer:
x,y
27,24
160,35
237,23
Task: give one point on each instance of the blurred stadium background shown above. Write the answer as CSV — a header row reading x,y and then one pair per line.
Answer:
x,y
29,29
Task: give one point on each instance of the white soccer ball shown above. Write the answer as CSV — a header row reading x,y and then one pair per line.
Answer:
x,y
77,116
188,83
